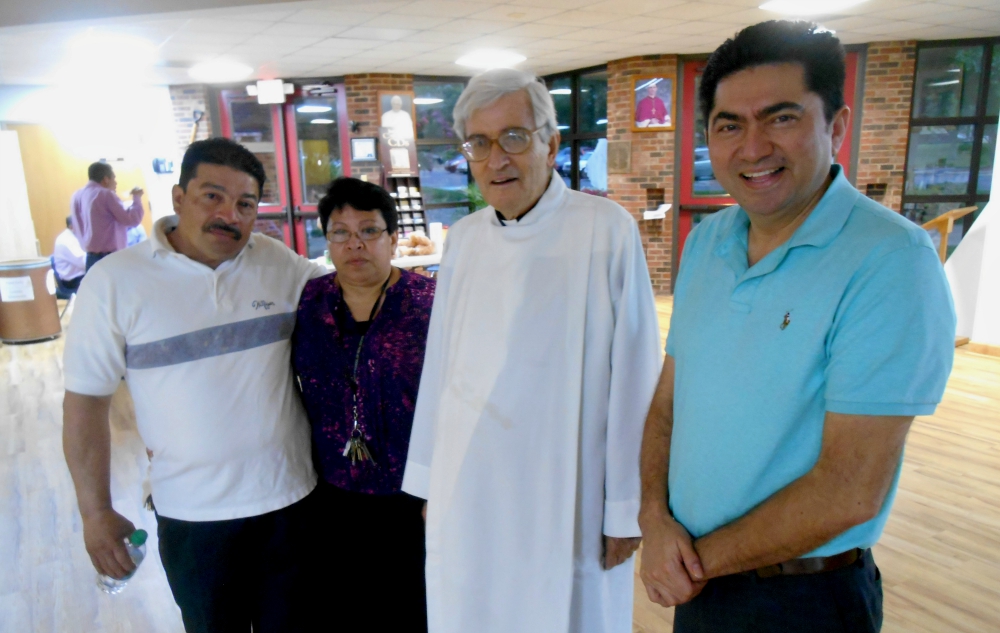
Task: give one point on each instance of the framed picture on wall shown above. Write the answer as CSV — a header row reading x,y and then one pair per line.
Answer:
x,y
363,149
653,103
397,113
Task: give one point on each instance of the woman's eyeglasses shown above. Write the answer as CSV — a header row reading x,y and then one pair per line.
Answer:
x,y
513,140
367,234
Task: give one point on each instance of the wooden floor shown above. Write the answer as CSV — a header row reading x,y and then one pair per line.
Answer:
x,y
940,555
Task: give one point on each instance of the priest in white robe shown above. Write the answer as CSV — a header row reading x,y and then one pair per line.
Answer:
x,y
541,361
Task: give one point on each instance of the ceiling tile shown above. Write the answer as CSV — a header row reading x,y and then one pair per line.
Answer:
x,y
411,22
517,13
692,11
222,25
892,28
640,24
536,30
344,44
596,35
305,30
581,18
442,8
475,27
335,18
635,7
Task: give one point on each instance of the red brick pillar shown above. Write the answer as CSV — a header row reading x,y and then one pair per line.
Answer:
x,y
185,100
650,180
362,108
885,118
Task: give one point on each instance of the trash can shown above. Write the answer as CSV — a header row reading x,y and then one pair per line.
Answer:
x,y
28,310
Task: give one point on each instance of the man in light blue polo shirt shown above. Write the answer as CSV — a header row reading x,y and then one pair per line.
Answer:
x,y
810,326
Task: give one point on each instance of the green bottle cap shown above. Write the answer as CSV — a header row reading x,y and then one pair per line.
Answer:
x,y
138,538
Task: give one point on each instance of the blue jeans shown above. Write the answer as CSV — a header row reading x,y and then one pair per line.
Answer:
x,y
93,258
846,600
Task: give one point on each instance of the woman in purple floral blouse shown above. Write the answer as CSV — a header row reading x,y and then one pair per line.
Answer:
x,y
358,350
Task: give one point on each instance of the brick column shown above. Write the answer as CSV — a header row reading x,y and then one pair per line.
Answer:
x,y
885,118
187,99
362,108
651,179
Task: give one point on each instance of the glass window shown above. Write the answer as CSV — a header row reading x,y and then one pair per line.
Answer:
x,y
594,167
947,82
253,127
315,240
986,157
923,212
594,103
444,174
435,103
271,227
939,159
993,101
447,215
319,146
705,185
562,96
564,162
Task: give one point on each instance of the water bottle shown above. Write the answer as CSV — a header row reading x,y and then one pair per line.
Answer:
x,y
136,545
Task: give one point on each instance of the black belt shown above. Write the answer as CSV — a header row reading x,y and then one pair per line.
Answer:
x,y
817,565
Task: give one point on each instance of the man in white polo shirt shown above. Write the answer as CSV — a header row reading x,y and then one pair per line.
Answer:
x,y
198,321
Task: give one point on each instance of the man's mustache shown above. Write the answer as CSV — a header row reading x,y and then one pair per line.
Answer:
x,y
222,226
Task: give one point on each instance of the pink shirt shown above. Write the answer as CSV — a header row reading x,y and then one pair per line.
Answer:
x,y
100,220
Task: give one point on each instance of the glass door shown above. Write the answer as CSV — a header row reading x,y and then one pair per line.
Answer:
x,y
317,153
260,129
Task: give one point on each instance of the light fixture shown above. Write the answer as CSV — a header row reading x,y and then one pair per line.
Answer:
x,y
560,91
88,54
313,109
426,100
950,82
321,121
220,71
488,58
798,7
562,127
602,121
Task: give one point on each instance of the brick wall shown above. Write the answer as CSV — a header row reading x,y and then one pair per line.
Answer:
x,y
363,109
651,179
885,120
187,99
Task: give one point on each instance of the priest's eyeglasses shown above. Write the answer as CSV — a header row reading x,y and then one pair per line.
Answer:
x,y
513,140
366,234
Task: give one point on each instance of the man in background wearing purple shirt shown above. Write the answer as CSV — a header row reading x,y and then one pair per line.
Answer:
x,y
100,220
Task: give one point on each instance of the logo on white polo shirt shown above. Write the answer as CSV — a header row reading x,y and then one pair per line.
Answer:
x,y
787,320
260,303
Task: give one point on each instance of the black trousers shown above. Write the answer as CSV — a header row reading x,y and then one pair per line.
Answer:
x,y
229,576
847,600
373,562
93,258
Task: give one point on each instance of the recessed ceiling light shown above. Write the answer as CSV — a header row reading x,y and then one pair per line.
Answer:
x,y
798,7
321,121
426,100
220,71
562,127
313,109
602,121
486,59
89,52
561,91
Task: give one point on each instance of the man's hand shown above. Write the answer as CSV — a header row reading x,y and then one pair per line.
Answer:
x,y
104,533
136,191
618,550
670,568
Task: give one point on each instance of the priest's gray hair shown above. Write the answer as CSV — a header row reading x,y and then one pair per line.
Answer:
x,y
487,87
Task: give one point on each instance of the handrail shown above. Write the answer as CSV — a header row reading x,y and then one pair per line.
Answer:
x,y
944,224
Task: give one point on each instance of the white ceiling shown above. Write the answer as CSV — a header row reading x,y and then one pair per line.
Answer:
x,y
337,37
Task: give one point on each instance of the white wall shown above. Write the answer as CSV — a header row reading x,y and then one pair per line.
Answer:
x,y
132,123
17,239
974,273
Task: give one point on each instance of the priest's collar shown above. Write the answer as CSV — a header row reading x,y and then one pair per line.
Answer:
x,y
550,200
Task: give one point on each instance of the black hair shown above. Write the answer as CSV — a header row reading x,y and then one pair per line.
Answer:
x,y
363,196
225,152
778,42
69,221
99,171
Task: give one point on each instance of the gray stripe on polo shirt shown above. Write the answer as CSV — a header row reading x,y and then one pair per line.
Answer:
x,y
213,341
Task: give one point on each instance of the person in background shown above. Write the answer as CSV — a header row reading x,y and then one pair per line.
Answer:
x,y
810,325
541,360
135,235
100,220
70,261
198,320
358,350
